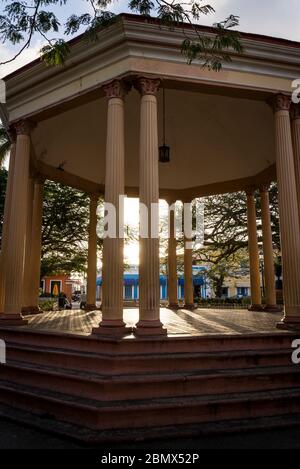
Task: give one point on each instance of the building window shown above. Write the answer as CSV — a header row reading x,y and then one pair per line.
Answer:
x,y
242,291
225,292
42,286
128,292
55,287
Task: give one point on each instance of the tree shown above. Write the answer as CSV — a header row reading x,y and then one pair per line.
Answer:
x,y
65,230
4,145
226,235
21,21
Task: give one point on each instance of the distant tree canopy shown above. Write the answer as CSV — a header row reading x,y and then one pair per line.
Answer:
x,y
226,236
21,21
65,229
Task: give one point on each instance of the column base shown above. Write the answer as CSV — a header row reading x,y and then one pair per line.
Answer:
x,y
256,308
91,308
112,328
28,310
174,306
189,306
289,324
149,329
273,309
12,320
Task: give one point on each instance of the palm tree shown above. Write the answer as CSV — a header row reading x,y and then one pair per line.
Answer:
x,y
4,144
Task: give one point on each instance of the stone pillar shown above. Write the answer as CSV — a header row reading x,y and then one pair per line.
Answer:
x,y
188,260
253,253
17,231
92,255
172,261
268,251
295,115
288,211
36,233
27,281
113,256
149,315
6,220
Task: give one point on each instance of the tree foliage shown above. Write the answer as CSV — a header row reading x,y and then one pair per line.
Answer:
x,y
65,229
22,20
226,235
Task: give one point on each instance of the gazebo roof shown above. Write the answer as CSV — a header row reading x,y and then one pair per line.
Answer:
x,y
219,125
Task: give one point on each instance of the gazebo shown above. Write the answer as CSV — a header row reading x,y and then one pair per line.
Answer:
x,y
96,124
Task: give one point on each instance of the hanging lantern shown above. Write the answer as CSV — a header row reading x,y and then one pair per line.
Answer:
x,y
164,154
164,150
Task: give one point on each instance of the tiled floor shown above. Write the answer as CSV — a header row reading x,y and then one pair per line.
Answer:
x,y
182,322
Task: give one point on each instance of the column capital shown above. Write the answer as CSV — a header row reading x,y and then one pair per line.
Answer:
x,y
147,85
250,190
295,111
264,187
116,89
39,179
280,102
24,127
12,134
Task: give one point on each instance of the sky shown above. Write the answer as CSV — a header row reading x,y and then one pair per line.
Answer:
x,y
279,18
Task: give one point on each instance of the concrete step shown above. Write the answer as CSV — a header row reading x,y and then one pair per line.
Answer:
x,y
171,344
100,387
110,364
92,437
118,415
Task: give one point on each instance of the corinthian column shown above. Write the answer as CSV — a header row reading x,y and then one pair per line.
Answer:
x,y
112,273
295,115
149,319
92,255
6,220
17,232
36,233
27,282
253,253
268,250
288,210
172,261
188,259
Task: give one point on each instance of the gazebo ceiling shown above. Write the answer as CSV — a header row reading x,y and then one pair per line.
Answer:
x,y
219,127
213,139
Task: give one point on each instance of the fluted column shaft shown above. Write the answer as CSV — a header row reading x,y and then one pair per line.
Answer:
x,y
295,115
113,247
92,255
188,260
36,234
27,282
253,253
17,233
268,250
288,210
172,262
6,223
149,314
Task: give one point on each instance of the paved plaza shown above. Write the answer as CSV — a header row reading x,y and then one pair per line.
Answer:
x,y
181,322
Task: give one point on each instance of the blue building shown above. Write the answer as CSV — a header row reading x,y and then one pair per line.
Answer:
x,y
131,285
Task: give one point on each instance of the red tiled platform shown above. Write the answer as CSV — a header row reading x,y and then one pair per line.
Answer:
x,y
182,322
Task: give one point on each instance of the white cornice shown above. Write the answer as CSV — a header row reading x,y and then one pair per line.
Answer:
x,y
118,51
